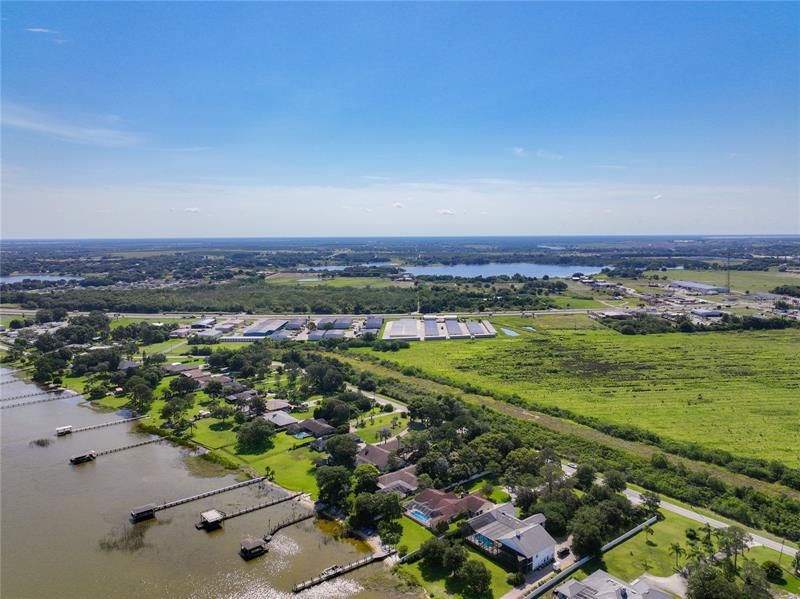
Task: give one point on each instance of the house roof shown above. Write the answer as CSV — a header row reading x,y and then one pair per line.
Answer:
x,y
279,418
405,477
524,537
449,504
317,427
277,404
602,585
125,364
179,367
378,455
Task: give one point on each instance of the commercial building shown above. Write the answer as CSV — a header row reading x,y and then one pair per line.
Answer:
x,y
522,545
204,323
696,288
262,328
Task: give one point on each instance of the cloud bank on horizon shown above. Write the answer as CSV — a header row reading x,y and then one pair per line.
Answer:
x,y
393,119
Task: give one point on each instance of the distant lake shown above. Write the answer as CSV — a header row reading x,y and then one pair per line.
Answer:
x,y
494,269
20,278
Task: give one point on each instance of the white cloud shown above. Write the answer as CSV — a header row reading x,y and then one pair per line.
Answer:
x,y
42,30
19,117
610,167
399,205
518,151
547,155
658,196
192,209
446,211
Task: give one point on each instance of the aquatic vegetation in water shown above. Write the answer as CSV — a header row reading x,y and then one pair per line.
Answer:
x,y
124,538
40,443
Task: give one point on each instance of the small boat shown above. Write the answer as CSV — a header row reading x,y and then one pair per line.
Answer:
x,y
64,430
83,458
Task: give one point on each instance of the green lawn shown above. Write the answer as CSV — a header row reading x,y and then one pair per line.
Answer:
x,y
438,586
643,553
497,495
729,390
414,535
369,433
565,301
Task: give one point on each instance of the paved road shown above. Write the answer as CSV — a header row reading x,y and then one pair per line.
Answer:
x,y
636,497
381,400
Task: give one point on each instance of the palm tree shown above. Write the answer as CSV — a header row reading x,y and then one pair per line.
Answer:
x,y
676,550
649,532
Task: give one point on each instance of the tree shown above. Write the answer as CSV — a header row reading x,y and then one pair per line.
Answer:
x,y
648,532
733,541
587,536
141,397
677,551
365,478
771,569
476,577
222,412
615,480
754,580
254,436
334,484
384,434
796,563
432,552
342,449
551,472
651,502
585,476
257,405
214,388
707,582
454,558
183,384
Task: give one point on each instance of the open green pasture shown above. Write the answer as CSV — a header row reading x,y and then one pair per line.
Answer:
x,y
729,390
741,280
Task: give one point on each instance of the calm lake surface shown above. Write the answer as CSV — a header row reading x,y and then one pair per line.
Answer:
x,y
65,529
526,269
20,278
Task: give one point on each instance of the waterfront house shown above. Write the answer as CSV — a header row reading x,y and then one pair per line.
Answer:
x,y
403,481
522,545
602,585
433,506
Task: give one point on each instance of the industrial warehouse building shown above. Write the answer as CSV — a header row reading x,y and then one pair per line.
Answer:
x,y
262,328
433,328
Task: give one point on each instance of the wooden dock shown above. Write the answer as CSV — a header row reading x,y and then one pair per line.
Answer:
x,y
104,424
335,571
61,395
124,447
288,522
250,509
148,511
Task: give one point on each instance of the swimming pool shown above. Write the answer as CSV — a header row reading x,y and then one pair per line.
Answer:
x,y
483,541
302,435
418,515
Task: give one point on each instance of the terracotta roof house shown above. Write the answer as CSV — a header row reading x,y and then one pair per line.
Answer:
x,y
522,545
433,506
380,456
403,481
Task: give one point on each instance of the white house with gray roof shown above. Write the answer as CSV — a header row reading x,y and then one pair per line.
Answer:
x,y
602,585
524,545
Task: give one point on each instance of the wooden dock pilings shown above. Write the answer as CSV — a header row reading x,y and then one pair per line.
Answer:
x,y
149,511
335,571
252,508
288,522
124,447
61,395
104,424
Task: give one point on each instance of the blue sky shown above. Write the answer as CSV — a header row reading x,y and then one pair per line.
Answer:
x,y
260,119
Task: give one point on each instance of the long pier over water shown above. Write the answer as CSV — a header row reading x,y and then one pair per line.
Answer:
x,y
335,571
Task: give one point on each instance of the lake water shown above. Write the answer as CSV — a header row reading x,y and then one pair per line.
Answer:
x,y
526,269
65,529
20,278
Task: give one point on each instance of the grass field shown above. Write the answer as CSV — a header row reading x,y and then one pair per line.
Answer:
x,y
736,391
644,553
369,432
741,280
